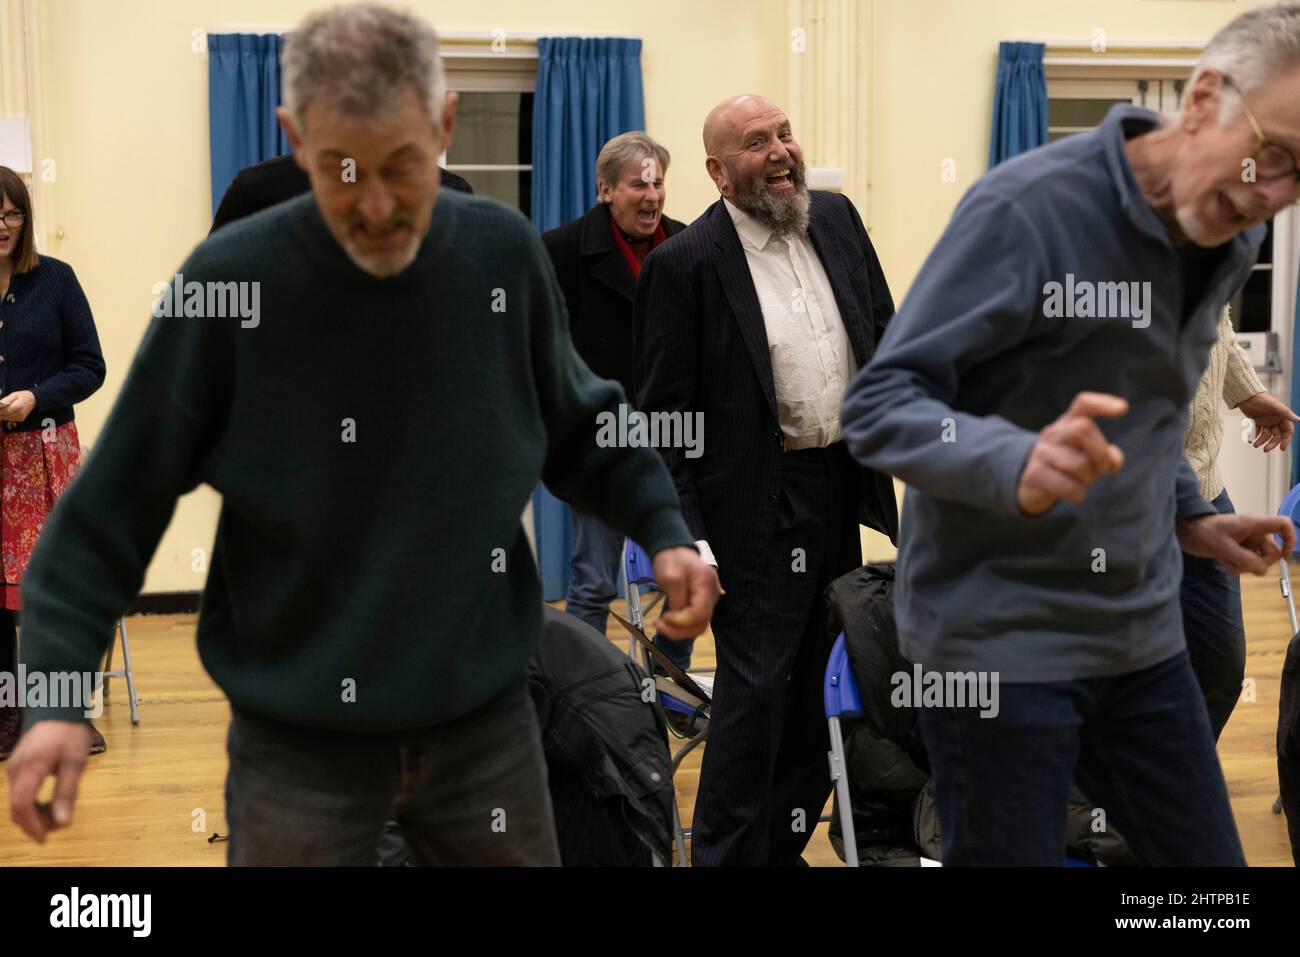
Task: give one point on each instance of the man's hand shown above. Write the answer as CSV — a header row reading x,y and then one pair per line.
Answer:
x,y
57,748
1071,454
1241,543
1272,419
690,588
17,406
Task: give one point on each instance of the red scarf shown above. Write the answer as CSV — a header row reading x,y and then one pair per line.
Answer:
x,y
633,263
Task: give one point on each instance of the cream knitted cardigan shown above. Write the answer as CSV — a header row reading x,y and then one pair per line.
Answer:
x,y
1228,381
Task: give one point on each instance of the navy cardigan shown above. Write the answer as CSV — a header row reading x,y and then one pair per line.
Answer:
x,y
48,343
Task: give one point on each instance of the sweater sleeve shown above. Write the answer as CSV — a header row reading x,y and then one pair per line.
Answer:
x,y
628,488
975,297
1239,381
83,361
90,560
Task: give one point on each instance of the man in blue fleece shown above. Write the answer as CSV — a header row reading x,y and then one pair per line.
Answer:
x,y
1032,391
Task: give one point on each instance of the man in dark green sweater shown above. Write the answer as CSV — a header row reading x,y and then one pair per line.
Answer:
x,y
375,398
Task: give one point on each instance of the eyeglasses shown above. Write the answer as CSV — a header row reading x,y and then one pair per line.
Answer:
x,y
13,219
1271,161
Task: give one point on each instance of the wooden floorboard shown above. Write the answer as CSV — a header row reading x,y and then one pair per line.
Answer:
x,y
156,796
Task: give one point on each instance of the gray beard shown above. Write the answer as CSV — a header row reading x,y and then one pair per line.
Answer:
x,y
786,217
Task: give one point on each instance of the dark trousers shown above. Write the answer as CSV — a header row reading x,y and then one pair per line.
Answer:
x,y
8,641
1138,744
764,778
468,792
1216,637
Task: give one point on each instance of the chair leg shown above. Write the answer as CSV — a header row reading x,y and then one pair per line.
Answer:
x,y
839,775
108,670
130,673
679,834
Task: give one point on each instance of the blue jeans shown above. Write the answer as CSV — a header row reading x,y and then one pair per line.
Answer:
x,y
1139,745
594,579
1216,637
593,569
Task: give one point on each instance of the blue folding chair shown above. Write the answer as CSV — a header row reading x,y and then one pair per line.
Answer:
x,y
639,571
841,700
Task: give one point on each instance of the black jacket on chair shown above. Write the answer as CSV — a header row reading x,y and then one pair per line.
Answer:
x,y
598,288
701,346
607,761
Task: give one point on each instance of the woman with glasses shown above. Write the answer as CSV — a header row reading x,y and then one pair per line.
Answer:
x,y
49,361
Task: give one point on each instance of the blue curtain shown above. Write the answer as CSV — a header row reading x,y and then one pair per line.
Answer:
x,y
1020,103
244,88
588,90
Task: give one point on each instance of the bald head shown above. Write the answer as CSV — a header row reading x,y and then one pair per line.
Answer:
x,y
726,122
756,163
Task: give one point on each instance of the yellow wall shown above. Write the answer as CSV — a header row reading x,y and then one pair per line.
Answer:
x,y
126,122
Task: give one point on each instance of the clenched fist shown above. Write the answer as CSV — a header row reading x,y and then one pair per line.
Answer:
x,y
691,589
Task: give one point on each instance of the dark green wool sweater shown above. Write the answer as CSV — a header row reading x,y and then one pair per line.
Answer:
x,y
379,584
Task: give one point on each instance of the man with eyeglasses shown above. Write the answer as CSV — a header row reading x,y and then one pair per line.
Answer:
x,y
1041,436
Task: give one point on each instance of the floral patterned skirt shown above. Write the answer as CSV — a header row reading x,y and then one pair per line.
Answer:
x,y
33,474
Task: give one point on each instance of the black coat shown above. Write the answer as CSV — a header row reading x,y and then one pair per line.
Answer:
x,y
701,346
257,187
1288,743
883,749
598,290
606,748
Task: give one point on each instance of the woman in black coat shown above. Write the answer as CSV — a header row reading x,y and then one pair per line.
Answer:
x,y
49,360
598,258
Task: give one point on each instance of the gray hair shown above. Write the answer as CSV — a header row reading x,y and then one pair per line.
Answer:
x,y
633,147
1253,48
360,58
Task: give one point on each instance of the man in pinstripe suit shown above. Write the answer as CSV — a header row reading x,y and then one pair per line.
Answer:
x,y
758,315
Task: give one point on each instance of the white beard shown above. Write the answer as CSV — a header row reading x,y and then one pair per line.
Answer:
x,y
383,265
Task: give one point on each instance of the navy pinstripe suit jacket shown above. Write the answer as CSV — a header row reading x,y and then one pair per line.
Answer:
x,y
701,346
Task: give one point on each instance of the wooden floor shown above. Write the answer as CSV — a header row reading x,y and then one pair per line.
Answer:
x,y
156,796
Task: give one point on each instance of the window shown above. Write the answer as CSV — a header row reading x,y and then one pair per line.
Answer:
x,y
492,146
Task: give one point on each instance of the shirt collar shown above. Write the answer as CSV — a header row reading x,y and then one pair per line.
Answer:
x,y
752,232
1122,123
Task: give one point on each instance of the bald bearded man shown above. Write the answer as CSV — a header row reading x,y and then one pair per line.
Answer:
x,y
758,315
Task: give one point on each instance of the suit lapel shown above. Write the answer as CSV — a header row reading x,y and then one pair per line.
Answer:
x,y
829,246
738,286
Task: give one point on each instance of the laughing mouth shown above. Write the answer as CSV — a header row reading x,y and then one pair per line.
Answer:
x,y
781,175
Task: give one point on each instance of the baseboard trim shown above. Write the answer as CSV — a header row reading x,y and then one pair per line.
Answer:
x,y
166,603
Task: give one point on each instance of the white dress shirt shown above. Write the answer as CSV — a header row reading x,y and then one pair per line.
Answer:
x,y
812,359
